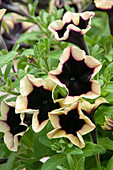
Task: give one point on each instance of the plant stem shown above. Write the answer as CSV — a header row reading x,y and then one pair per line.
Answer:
x,y
98,161
110,15
14,71
94,138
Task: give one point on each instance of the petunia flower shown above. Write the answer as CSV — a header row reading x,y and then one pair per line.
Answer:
x,y
89,110
103,6
100,5
70,122
11,125
14,29
108,125
75,72
2,43
36,96
11,7
72,28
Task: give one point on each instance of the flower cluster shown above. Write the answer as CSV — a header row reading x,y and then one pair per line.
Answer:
x,y
70,116
37,105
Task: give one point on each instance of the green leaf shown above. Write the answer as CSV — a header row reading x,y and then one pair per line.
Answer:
x,y
29,36
108,70
2,82
103,111
53,63
53,162
16,47
45,141
60,13
92,149
7,58
95,49
46,41
7,71
109,98
68,8
80,164
1,72
3,97
61,168
27,138
106,143
16,83
70,162
55,54
73,151
59,91
109,87
110,164
35,52
9,83
109,57
41,150
21,73
4,52
9,164
27,53
90,164
36,165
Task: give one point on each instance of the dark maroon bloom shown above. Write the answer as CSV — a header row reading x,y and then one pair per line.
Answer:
x,y
71,123
72,28
36,97
75,72
11,124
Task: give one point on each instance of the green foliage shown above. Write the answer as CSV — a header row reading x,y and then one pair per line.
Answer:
x,y
54,161
9,164
92,149
80,165
7,58
38,57
110,164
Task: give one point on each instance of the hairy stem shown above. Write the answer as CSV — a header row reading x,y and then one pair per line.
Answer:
x,y
14,71
94,138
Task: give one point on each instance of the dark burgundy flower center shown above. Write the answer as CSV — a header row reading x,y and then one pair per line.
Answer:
x,y
71,122
41,99
13,120
76,76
